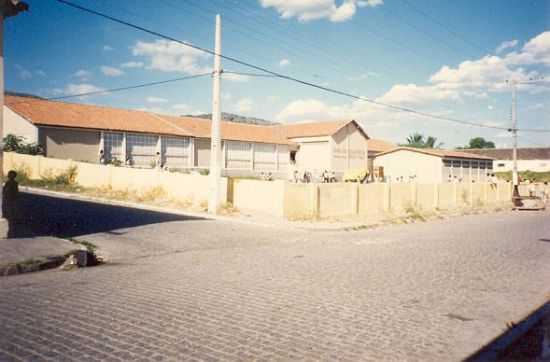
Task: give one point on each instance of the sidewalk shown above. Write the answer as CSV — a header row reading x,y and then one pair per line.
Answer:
x,y
32,254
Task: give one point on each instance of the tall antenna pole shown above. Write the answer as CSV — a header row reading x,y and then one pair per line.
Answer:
x,y
215,145
515,178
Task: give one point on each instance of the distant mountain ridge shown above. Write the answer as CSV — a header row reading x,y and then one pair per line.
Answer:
x,y
230,117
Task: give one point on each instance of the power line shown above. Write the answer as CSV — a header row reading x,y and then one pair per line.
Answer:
x,y
119,89
250,74
282,76
442,25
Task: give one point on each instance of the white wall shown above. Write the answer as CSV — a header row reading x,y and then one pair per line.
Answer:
x,y
349,149
19,126
313,156
523,165
405,163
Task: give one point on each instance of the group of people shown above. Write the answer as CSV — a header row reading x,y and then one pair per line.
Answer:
x,y
307,177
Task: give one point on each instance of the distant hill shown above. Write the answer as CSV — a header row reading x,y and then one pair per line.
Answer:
x,y
230,117
20,94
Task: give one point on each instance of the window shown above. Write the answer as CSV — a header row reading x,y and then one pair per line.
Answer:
x,y
265,156
238,154
175,151
456,164
447,163
475,164
141,148
501,165
465,164
112,144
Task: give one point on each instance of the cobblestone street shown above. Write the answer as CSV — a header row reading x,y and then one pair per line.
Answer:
x,y
198,289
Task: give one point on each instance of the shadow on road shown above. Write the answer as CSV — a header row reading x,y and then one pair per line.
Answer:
x,y
546,240
41,215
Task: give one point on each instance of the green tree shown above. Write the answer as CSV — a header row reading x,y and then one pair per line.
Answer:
x,y
418,140
13,143
480,142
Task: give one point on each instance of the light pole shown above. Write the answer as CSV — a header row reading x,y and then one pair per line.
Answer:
x,y
215,137
514,129
8,8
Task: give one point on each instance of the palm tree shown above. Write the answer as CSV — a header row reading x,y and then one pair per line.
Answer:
x,y
418,140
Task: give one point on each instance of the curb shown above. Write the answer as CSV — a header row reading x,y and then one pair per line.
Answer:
x,y
494,349
32,265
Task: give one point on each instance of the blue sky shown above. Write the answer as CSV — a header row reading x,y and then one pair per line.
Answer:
x,y
449,58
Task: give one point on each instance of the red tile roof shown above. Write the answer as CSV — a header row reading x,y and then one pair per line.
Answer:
x,y
438,152
534,153
315,129
60,114
377,145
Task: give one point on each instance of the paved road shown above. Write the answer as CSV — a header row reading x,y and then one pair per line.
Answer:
x,y
196,289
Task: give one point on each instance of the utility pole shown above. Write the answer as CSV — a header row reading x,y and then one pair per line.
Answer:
x,y
215,137
515,178
8,8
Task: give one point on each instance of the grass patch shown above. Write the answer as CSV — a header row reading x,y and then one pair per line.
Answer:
x,y
526,175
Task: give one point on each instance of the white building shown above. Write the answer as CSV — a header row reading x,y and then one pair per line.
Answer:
x,y
529,159
336,146
433,165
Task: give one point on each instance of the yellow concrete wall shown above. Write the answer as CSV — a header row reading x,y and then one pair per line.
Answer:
x,y
264,196
463,193
478,194
278,198
426,196
300,201
401,196
446,196
337,199
178,186
371,199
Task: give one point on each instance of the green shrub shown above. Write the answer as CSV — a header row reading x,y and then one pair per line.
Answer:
x,y
13,143
65,178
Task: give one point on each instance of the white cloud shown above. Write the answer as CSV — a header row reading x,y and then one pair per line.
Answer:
x,y
413,94
284,62
111,71
83,74
307,10
370,3
273,99
132,65
364,76
107,48
40,73
156,100
244,105
169,56
23,73
81,88
509,44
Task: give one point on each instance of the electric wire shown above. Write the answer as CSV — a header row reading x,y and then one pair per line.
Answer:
x,y
290,78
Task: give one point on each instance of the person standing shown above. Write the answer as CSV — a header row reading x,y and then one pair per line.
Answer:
x,y
10,194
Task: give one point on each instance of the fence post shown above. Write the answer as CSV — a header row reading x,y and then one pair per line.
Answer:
x,y
414,194
387,197
355,198
455,194
436,196
314,189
